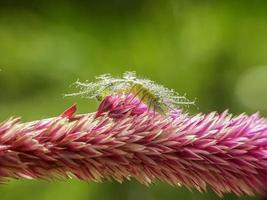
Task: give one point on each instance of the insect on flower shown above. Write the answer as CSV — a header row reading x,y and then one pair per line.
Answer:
x,y
157,97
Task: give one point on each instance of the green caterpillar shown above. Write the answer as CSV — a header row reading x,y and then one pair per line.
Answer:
x,y
155,96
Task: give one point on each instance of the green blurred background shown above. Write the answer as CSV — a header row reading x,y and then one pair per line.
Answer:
x,y
215,51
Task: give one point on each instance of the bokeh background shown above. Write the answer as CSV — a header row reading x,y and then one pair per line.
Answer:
x,y
215,51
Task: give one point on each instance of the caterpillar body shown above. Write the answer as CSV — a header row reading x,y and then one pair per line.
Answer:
x,y
155,96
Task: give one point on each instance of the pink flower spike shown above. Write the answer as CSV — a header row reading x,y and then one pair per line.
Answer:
x,y
125,139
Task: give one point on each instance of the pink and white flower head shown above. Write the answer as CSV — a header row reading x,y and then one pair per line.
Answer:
x,y
125,139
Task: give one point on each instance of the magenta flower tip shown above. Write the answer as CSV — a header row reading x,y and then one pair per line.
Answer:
x,y
125,139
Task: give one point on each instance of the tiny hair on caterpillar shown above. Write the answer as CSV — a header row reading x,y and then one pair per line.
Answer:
x,y
157,97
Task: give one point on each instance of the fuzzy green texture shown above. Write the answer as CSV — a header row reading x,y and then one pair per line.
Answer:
x,y
155,96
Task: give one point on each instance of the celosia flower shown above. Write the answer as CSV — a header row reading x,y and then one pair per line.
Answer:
x,y
124,139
